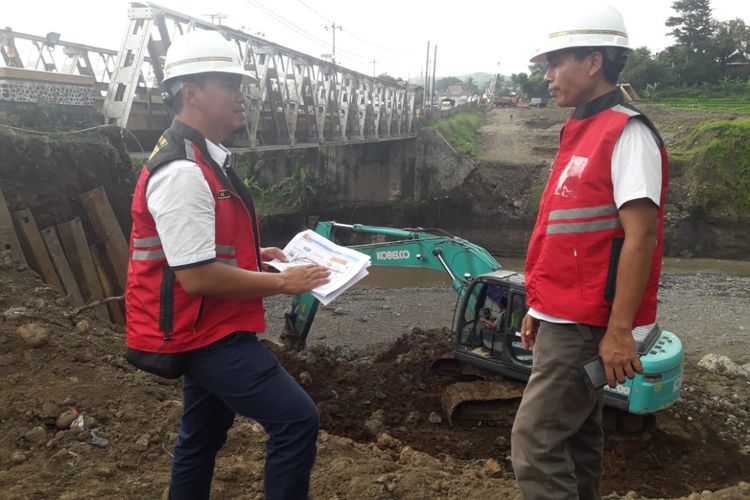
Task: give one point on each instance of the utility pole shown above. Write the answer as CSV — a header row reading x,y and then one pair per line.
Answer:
x,y
333,28
216,17
426,76
374,62
434,65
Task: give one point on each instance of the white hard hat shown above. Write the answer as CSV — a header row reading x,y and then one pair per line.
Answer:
x,y
592,25
201,51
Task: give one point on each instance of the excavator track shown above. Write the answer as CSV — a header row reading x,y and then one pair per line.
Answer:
x,y
482,400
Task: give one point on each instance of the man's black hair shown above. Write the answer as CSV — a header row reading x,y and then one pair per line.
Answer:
x,y
613,59
174,87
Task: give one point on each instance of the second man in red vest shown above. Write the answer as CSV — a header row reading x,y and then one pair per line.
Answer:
x,y
594,258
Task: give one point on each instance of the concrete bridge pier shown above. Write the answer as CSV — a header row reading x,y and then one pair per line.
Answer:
x,y
367,172
373,172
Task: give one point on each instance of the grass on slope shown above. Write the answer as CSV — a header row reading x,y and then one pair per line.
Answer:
x,y
716,158
460,130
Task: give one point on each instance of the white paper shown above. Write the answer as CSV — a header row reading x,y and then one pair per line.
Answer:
x,y
347,266
325,300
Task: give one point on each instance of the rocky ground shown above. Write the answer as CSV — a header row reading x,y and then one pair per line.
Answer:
x,y
78,422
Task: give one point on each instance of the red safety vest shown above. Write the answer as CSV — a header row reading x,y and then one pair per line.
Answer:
x,y
161,315
571,264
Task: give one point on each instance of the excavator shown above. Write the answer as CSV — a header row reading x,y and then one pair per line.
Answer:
x,y
488,347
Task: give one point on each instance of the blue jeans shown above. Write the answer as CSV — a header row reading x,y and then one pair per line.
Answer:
x,y
237,375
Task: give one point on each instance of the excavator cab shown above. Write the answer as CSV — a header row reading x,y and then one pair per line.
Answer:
x,y
487,325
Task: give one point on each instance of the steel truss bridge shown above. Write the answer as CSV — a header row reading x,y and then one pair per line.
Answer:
x,y
293,99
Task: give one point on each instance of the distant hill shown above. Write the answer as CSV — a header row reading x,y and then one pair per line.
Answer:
x,y
481,79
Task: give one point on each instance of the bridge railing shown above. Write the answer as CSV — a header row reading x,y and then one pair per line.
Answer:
x,y
51,53
293,98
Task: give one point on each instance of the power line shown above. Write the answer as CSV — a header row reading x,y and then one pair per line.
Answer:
x,y
301,31
343,54
324,18
371,44
327,20
282,20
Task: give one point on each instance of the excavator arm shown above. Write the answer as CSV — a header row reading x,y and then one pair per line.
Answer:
x,y
413,248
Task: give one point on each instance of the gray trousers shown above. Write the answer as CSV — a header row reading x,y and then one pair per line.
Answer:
x,y
557,438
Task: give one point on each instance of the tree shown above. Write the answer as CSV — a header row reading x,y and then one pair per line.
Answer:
x,y
442,84
644,69
692,25
730,37
470,86
503,86
391,80
533,85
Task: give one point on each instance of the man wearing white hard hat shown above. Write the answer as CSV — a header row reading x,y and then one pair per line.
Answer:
x,y
196,281
594,258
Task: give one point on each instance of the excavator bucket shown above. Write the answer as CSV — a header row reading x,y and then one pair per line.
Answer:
x,y
483,400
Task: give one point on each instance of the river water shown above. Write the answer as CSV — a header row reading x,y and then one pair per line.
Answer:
x,y
389,277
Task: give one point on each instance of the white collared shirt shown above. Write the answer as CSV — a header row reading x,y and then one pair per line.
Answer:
x,y
184,210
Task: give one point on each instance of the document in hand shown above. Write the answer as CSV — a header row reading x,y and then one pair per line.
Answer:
x,y
347,266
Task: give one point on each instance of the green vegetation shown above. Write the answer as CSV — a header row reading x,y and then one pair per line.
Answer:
x,y
707,60
716,162
281,181
460,130
739,104
297,192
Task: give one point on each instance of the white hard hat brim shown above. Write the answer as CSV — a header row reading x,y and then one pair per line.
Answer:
x,y
231,71
569,41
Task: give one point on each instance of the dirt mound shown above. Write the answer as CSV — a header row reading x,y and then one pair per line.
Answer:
x,y
46,174
695,447
78,422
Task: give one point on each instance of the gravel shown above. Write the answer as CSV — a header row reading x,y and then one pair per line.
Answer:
x,y
709,312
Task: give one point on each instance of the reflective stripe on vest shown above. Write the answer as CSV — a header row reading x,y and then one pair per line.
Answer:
x,y
146,242
583,213
584,227
158,253
148,254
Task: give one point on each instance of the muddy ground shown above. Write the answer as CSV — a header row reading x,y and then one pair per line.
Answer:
x,y
78,423
384,436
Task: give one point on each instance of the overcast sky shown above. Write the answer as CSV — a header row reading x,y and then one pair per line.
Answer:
x,y
471,35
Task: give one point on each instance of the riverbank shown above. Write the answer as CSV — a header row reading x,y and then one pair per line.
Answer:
x,y
709,312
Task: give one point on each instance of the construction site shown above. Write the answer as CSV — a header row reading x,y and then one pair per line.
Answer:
x,y
79,422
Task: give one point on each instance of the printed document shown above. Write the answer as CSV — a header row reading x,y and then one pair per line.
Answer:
x,y
347,266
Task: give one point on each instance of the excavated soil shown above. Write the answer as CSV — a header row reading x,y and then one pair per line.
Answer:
x,y
77,422
384,435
